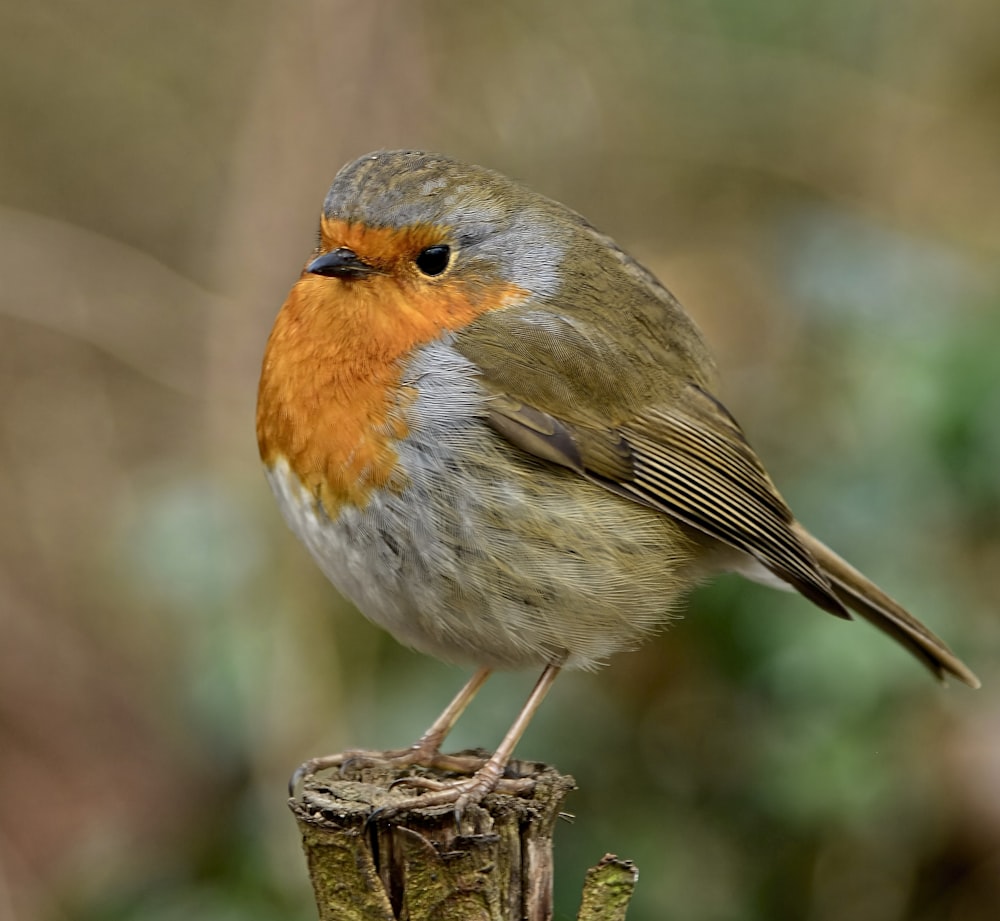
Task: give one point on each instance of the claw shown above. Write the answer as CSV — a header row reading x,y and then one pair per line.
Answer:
x,y
425,783
459,794
312,766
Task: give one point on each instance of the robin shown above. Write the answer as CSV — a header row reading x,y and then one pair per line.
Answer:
x,y
496,433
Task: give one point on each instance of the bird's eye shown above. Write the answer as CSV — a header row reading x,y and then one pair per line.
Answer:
x,y
434,260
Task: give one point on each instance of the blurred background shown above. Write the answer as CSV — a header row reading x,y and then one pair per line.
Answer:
x,y
819,183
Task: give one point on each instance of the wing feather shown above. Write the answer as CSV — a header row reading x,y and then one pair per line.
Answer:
x,y
683,466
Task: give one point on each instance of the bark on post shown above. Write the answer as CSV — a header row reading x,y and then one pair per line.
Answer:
x,y
493,865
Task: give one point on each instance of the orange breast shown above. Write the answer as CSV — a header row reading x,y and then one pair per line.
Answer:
x,y
331,400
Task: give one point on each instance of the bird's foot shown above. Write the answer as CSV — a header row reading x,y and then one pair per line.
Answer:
x,y
419,754
458,793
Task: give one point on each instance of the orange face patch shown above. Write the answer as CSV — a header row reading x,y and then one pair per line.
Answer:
x,y
386,248
330,400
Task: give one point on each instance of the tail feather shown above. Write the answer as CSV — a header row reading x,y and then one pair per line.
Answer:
x,y
867,599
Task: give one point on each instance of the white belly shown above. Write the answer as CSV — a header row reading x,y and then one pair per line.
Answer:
x,y
489,556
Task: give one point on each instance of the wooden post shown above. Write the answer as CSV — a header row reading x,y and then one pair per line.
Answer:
x,y
494,864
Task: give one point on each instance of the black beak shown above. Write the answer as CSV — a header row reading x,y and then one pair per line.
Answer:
x,y
340,263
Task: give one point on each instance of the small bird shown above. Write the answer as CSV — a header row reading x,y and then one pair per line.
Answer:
x,y
496,433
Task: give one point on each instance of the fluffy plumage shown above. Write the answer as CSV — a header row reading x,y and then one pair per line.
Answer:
x,y
517,460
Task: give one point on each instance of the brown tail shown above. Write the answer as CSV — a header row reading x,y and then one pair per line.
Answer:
x,y
868,600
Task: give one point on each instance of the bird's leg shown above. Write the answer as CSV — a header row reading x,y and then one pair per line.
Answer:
x,y
425,751
489,776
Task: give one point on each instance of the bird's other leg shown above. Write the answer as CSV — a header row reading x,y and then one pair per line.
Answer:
x,y
425,751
